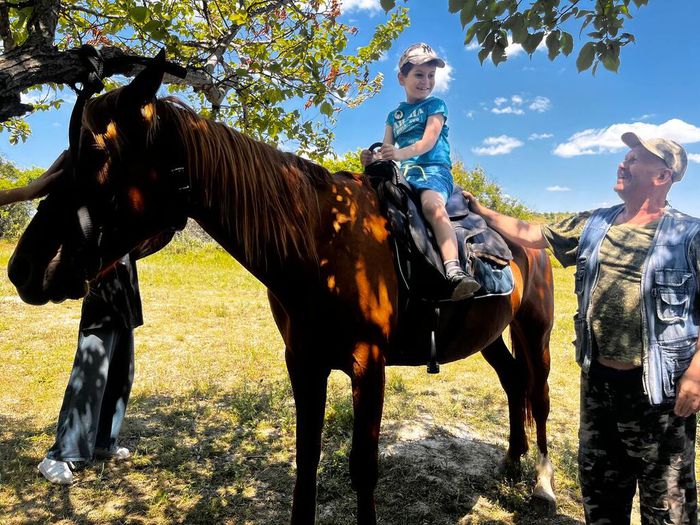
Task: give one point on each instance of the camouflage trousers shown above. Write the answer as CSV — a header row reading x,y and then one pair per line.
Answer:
x,y
625,442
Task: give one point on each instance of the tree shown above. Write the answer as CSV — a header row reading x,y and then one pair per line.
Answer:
x,y
497,23
14,217
277,70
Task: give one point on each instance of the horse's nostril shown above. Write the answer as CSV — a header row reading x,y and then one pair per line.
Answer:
x,y
19,271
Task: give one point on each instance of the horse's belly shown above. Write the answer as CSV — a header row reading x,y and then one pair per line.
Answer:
x,y
462,330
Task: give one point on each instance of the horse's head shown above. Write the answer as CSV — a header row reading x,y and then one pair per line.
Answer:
x,y
126,186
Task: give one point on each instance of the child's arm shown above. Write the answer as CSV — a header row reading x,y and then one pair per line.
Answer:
x,y
433,127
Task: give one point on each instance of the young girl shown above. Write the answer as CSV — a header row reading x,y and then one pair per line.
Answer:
x,y
418,127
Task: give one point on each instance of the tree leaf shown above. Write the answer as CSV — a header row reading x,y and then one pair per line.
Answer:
x,y
567,43
585,56
532,41
455,5
138,14
553,44
387,5
468,12
483,53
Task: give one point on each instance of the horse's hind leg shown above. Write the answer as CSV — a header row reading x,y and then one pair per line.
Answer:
x,y
367,378
531,342
511,373
309,385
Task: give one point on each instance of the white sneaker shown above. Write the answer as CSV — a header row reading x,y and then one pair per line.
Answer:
x,y
121,453
56,471
118,454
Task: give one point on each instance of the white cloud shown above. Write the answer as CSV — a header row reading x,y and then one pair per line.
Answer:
x,y
501,145
607,140
443,77
558,188
470,114
694,157
541,104
515,105
512,50
540,136
512,109
508,110
359,5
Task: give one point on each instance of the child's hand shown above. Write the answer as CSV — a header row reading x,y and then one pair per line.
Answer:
x,y
388,152
366,157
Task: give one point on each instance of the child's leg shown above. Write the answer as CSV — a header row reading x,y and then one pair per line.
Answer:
x,y
434,211
433,205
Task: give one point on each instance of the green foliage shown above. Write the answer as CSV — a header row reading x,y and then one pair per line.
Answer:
x,y
528,23
14,217
348,162
277,71
488,192
17,128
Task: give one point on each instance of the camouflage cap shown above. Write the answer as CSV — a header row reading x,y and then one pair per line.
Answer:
x,y
420,53
672,153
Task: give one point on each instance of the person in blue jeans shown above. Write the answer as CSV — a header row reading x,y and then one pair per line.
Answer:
x,y
97,394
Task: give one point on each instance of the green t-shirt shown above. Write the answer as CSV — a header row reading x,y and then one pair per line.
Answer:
x,y
616,319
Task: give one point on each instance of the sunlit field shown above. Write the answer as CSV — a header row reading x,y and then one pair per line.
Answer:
x,y
211,417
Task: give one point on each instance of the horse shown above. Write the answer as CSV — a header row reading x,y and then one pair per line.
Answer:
x,y
316,240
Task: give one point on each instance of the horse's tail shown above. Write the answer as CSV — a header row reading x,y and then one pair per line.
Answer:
x,y
521,351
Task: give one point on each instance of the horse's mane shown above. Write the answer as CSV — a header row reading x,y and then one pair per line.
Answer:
x,y
266,198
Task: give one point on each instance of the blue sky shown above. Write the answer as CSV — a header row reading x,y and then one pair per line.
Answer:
x,y
546,133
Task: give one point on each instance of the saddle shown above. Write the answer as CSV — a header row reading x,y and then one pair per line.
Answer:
x,y
482,251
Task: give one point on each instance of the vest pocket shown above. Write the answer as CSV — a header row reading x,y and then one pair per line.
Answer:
x,y
671,295
579,274
675,357
579,331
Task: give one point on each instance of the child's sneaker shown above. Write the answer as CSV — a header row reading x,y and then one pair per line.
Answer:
x,y
56,471
463,285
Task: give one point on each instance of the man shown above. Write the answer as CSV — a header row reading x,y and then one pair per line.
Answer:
x,y
637,268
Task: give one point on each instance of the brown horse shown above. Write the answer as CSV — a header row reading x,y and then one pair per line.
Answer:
x,y
316,240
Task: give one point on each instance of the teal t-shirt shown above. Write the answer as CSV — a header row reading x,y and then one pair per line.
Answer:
x,y
408,125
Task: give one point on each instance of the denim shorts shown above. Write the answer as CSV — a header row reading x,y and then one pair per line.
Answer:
x,y
430,177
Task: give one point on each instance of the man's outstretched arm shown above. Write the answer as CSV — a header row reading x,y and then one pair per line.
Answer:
x,y
515,230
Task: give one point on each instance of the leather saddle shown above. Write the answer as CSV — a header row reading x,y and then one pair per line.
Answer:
x,y
482,251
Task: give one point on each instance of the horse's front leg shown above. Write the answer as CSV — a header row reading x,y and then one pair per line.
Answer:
x,y
309,385
367,377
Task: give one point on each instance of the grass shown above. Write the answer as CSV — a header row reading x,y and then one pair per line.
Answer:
x,y
211,417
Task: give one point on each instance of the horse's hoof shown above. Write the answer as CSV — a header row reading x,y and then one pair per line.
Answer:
x,y
543,502
510,468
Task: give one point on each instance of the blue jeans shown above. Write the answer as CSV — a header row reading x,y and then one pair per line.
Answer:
x,y
97,393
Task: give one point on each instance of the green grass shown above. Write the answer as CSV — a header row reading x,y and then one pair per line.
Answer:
x,y
211,418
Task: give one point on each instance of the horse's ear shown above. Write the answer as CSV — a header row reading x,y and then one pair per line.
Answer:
x,y
142,90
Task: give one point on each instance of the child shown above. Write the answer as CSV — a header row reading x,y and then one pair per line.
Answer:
x,y
418,127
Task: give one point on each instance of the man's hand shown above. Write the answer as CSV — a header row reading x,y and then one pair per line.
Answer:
x,y
687,395
473,202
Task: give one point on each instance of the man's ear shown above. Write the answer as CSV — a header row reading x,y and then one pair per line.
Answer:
x,y
402,79
665,176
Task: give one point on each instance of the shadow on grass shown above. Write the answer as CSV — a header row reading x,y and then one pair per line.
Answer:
x,y
227,457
